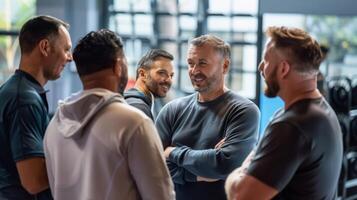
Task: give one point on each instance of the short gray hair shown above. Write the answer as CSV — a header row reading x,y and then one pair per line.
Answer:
x,y
217,43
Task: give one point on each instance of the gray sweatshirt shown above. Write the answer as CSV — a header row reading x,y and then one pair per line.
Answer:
x,y
98,147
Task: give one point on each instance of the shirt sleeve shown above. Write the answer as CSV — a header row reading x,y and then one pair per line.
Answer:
x,y
179,175
144,108
26,132
147,164
240,138
279,155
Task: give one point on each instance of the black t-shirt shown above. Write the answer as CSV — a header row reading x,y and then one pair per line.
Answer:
x,y
301,152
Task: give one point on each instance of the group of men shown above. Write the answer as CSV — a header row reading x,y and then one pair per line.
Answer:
x,y
102,142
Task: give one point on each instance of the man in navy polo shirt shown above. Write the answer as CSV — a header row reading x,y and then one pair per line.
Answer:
x,y
45,49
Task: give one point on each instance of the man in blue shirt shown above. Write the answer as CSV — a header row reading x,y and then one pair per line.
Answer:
x,y
45,49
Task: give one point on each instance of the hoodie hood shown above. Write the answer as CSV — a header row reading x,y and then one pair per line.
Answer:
x,y
136,94
76,111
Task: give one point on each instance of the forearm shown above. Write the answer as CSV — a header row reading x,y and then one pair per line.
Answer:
x,y
210,163
180,175
33,175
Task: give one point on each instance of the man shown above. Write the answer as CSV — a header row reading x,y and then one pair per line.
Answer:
x,y
45,49
207,134
153,79
300,155
97,146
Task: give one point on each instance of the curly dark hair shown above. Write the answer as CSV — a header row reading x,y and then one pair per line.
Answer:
x,y
96,51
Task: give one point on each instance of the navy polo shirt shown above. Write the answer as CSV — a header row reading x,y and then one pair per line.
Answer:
x,y
23,121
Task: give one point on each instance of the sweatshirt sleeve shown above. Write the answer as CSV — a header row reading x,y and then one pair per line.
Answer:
x,y
147,164
164,126
240,139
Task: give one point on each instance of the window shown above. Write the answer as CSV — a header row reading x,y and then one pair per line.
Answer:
x,y
169,24
12,15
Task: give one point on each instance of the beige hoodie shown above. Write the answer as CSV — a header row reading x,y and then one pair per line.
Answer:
x,y
98,147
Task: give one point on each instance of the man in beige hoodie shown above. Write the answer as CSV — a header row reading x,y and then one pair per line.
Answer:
x,y
97,146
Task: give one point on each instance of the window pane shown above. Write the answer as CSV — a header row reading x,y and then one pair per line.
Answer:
x,y
14,13
188,6
244,57
168,26
143,24
221,6
244,84
9,56
245,24
183,61
249,58
141,5
167,6
219,23
244,6
122,5
121,24
186,85
188,23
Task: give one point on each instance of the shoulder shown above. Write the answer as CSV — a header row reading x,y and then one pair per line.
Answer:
x,y
125,113
241,104
285,133
181,102
308,113
19,91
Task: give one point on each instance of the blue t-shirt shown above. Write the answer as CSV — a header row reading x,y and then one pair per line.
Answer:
x,y
23,121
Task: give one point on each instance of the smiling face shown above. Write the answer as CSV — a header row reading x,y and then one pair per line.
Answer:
x,y
59,54
206,68
159,77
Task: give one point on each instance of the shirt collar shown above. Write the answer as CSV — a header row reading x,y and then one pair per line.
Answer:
x,y
39,89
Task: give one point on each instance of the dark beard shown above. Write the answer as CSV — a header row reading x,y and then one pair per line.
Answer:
x,y
271,90
123,81
154,86
272,87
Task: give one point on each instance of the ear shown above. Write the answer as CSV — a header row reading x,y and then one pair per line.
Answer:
x,y
142,73
226,63
284,69
117,67
45,47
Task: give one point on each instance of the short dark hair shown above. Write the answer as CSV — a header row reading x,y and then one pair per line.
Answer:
x,y
217,43
298,46
146,61
37,29
96,51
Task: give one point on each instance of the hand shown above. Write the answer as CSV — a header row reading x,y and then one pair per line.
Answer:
x,y
219,144
168,151
200,178
232,182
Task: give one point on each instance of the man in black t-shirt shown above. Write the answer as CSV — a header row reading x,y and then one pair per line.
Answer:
x,y
300,156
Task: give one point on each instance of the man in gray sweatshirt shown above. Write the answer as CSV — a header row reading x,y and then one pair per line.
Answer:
x,y
97,146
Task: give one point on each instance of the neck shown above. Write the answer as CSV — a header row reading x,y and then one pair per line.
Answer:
x,y
102,79
34,68
140,85
299,91
211,95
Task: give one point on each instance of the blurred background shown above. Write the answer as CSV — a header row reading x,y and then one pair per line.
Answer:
x,y
169,24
